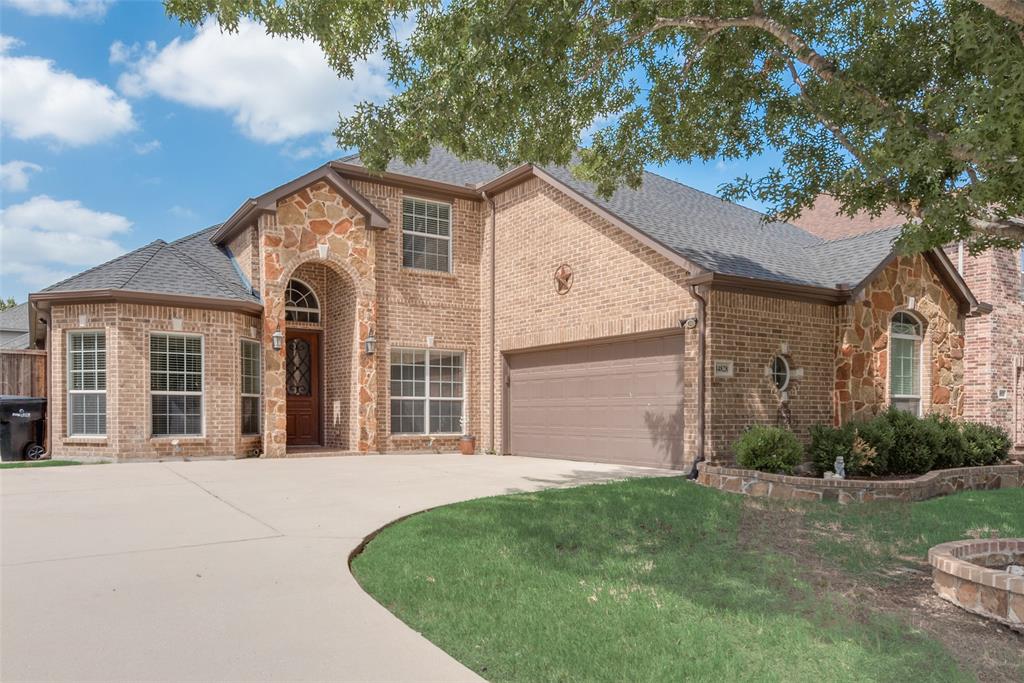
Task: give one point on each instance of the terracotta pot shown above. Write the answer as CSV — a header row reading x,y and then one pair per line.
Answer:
x,y
467,445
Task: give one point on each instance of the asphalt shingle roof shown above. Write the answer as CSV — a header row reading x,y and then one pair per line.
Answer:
x,y
190,266
714,234
710,232
15,319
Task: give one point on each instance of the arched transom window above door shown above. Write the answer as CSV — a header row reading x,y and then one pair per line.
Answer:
x,y
905,362
300,303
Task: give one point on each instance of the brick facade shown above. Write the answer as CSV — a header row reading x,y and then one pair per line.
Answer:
x,y
621,287
127,328
749,331
994,352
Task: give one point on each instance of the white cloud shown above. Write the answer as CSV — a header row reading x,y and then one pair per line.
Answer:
x,y
276,89
44,240
40,101
73,9
147,147
14,175
183,212
8,43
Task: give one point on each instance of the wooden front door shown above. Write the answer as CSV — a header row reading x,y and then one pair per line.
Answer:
x,y
302,383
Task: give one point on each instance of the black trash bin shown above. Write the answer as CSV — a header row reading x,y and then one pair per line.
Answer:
x,y
21,427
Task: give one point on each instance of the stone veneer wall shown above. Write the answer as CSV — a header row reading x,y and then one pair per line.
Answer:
x,y
750,331
862,361
930,485
310,217
963,573
620,287
127,328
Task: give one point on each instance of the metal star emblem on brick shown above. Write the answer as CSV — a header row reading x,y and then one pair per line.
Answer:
x,y
563,279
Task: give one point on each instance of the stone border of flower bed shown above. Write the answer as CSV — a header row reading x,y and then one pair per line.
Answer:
x,y
962,575
930,485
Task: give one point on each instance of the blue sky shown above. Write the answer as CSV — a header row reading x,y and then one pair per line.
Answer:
x,y
120,126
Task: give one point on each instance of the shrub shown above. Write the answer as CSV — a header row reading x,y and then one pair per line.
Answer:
x,y
769,449
985,444
878,434
952,451
827,444
915,443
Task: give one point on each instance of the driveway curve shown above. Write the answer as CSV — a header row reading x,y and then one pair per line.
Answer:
x,y
227,570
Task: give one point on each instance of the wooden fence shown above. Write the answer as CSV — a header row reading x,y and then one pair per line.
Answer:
x,y
23,373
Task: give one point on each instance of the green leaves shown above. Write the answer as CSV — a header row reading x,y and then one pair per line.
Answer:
x,y
915,104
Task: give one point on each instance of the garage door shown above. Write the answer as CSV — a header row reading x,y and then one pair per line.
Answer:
x,y
616,402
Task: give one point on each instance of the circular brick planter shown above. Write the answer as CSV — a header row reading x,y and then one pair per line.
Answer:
x,y
931,485
964,574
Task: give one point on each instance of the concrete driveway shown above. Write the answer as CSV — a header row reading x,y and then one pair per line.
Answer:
x,y
227,570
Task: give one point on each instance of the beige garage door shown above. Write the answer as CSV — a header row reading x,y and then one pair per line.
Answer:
x,y
615,402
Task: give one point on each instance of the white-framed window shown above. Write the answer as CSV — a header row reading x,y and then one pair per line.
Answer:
x,y
427,391
251,386
176,384
87,383
300,303
905,337
426,235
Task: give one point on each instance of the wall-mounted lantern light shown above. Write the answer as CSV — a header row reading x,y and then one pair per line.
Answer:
x,y
371,345
277,339
323,248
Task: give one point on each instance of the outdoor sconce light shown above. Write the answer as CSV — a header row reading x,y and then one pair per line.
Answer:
x,y
371,345
323,249
277,340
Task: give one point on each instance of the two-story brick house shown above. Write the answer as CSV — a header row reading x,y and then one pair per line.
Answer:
x,y
364,313
994,343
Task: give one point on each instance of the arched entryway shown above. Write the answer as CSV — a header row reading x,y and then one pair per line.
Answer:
x,y
321,354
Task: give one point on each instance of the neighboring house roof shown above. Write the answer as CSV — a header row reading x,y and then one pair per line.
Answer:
x,y
19,342
15,319
826,220
189,267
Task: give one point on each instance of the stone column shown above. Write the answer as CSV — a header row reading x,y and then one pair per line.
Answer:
x,y
275,400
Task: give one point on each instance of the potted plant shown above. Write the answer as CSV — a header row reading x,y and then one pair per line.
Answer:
x,y
467,444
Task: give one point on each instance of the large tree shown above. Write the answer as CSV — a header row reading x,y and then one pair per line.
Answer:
x,y
917,104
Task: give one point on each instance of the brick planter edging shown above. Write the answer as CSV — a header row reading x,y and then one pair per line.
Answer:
x,y
930,485
960,577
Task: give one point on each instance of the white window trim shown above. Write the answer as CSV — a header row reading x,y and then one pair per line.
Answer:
x,y
241,377
789,372
71,392
919,338
303,309
201,394
451,231
427,397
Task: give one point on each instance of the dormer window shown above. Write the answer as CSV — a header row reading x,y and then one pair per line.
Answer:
x,y
426,235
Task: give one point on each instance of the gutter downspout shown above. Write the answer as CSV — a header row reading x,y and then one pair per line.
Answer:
x,y
702,306
490,202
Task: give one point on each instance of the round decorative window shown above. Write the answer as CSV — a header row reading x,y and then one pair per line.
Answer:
x,y
780,373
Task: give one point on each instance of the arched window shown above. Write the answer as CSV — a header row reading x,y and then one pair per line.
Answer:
x,y
300,304
905,363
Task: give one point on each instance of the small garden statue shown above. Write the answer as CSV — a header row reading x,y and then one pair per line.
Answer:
x,y
840,466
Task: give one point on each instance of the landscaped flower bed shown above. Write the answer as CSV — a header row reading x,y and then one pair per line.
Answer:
x,y
931,485
972,574
894,456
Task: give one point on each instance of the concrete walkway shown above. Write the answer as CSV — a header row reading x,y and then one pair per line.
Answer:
x,y
227,570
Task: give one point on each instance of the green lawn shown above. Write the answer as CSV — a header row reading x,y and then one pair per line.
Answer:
x,y
660,579
36,463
